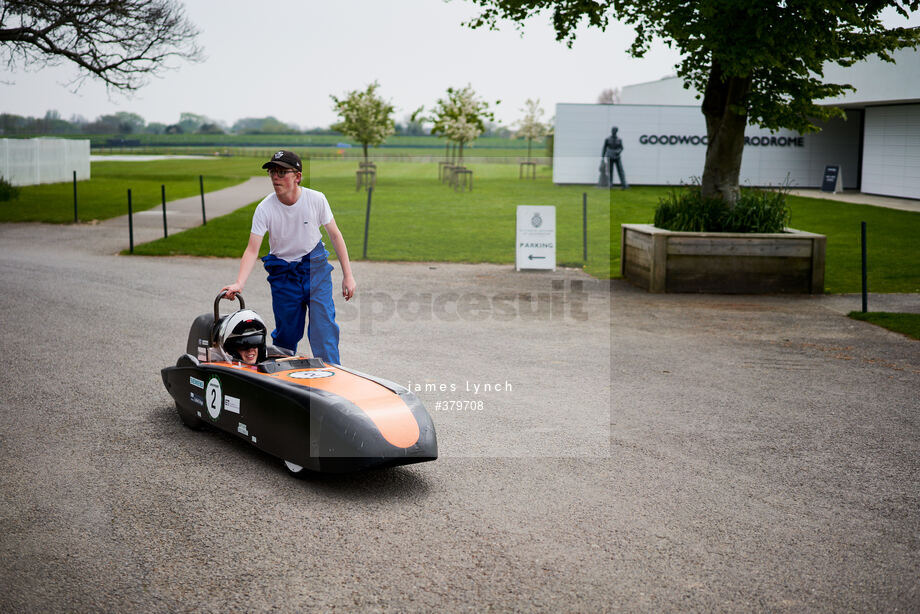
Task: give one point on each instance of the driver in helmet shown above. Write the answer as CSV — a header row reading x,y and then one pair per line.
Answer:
x,y
242,336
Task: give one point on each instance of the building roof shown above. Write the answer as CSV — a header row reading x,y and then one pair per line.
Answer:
x,y
876,82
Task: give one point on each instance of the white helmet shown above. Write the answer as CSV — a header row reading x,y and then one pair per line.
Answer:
x,y
240,330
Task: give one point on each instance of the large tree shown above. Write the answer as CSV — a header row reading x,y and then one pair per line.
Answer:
x,y
757,61
366,117
120,42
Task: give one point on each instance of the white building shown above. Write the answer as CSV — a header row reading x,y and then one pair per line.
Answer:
x,y
44,160
663,132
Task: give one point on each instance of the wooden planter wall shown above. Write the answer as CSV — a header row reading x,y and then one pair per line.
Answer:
x,y
722,263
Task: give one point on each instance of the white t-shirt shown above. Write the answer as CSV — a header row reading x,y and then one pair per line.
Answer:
x,y
293,230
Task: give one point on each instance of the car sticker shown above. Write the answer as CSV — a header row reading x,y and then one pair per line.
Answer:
x,y
232,404
241,428
214,397
196,399
310,374
197,383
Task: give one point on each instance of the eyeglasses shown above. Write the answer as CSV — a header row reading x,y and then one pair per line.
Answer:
x,y
278,172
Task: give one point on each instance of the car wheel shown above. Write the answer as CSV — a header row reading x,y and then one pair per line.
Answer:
x,y
294,469
189,418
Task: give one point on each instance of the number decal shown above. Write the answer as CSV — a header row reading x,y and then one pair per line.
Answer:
x,y
215,398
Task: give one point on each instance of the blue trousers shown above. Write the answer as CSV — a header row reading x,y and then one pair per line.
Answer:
x,y
299,286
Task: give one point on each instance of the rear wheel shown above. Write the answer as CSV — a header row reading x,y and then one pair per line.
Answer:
x,y
189,418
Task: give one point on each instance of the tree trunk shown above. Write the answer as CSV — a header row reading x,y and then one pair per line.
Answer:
x,y
365,152
529,140
725,128
460,158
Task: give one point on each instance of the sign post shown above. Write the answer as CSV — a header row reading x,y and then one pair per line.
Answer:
x,y
536,238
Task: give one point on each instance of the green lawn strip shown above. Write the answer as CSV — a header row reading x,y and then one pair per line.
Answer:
x,y
105,195
893,260
416,218
904,323
222,237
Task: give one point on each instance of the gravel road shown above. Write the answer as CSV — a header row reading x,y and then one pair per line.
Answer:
x,y
632,452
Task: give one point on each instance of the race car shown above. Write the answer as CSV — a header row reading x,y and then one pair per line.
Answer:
x,y
313,415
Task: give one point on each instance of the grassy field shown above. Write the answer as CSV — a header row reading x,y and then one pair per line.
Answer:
x,y
904,323
415,218
893,260
105,195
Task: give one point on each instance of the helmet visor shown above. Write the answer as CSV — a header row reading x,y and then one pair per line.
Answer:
x,y
248,340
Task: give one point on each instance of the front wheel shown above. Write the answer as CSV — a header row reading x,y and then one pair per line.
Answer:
x,y
295,470
189,418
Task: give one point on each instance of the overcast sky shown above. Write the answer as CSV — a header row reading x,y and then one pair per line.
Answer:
x,y
285,59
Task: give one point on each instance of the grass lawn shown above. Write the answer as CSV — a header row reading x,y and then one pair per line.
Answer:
x,y
893,260
416,218
105,195
904,323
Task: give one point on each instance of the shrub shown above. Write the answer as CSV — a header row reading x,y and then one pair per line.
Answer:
x,y
7,190
758,211
685,210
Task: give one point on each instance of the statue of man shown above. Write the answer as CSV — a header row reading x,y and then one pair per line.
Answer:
x,y
611,152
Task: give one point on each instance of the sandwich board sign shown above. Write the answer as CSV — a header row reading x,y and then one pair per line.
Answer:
x,y
833,180
536,238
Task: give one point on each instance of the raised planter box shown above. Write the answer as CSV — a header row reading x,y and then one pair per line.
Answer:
x,y
722,263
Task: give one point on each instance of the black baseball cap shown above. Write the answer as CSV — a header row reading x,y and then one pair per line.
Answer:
x,y
286,159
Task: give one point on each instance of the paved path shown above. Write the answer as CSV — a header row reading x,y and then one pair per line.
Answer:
x,y
181,214
858,198
636,452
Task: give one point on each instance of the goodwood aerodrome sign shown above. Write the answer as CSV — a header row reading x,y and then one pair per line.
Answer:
x,y
695,139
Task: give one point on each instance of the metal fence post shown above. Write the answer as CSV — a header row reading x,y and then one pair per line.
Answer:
x,y
367,219
204,220
584,225
130,224
163,199
75,217
865,281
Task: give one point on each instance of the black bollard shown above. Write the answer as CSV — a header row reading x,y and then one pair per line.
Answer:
x,y
130,224
204,220
584,225
75,217
367,220
865,279
163,199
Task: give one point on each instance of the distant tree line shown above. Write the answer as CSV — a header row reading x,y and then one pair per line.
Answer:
x,y
124,123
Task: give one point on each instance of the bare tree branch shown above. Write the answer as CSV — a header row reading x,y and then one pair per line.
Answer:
x,y
118,42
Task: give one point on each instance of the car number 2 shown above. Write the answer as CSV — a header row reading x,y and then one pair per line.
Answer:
x,y
214,397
